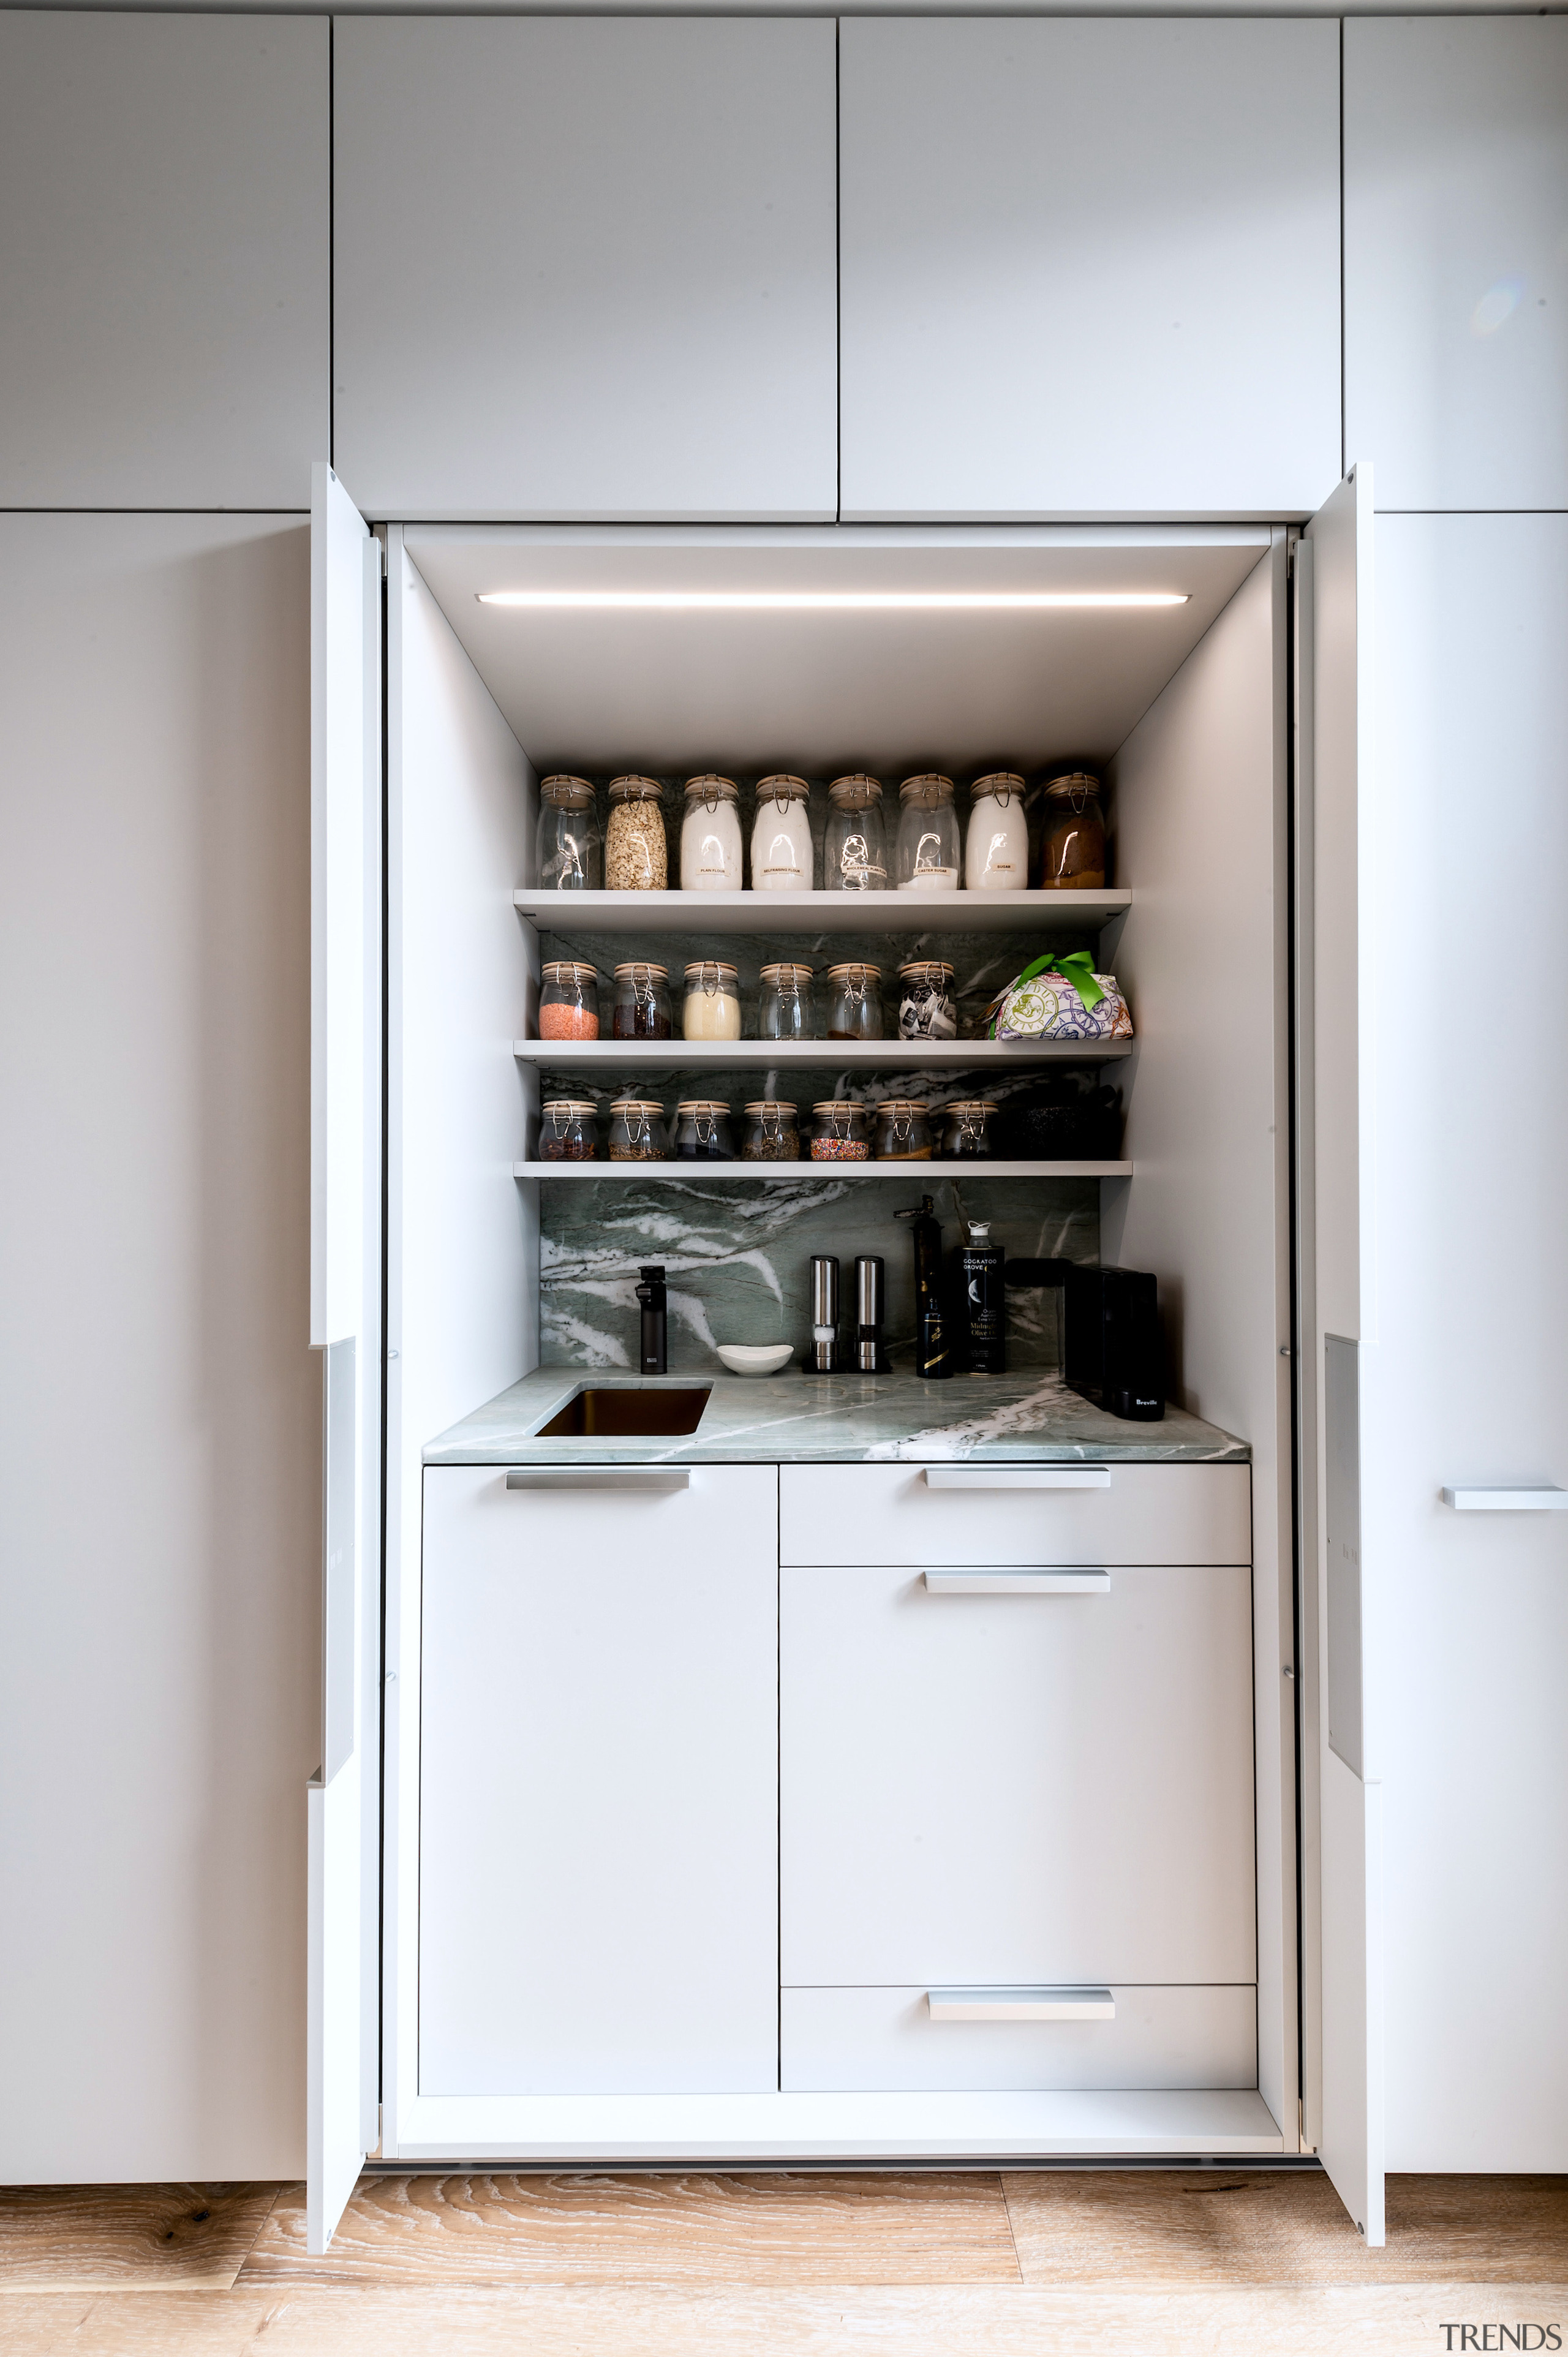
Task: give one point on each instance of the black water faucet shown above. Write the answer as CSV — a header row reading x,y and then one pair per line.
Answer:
x,y
655,1322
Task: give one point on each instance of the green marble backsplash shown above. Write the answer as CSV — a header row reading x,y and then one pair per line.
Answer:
x,y
738,1256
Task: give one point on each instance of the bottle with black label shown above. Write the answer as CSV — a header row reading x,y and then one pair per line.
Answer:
x,y
984,1302
933,1360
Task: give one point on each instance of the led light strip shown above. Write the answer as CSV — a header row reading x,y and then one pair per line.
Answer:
x,y
683,601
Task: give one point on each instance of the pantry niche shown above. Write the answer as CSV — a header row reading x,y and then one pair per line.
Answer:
x,y
682,651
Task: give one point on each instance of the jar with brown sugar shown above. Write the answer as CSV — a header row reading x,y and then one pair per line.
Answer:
x,y
1075,835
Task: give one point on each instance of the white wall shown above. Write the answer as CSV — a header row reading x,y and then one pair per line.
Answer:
x,y
160,1410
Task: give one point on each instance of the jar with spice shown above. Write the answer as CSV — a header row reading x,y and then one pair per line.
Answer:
x,y
927,835
1075,835
786,1004
781,836
997,847
926,1007
641,1009
903,1132
854,1002
569,848
966,1130
636,859
566,1131
838,1131
772,1132
703,1131
568,1000
711,1007
636,1131
854,847
710,837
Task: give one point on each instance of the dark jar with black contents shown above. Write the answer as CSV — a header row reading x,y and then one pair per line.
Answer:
x,y
703,1131
641,1003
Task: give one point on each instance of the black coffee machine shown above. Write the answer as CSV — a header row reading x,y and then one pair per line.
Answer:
x,y
1113,1349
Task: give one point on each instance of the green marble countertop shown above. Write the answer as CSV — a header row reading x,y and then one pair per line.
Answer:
x,y
851,1419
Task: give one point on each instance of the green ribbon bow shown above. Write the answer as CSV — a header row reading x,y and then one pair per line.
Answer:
x,y
1076,967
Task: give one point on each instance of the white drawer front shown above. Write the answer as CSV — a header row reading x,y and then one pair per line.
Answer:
x,y
871,2041
1032,1788
890,1513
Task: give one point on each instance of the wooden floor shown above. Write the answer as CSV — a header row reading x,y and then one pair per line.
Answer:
x,y
1021,2264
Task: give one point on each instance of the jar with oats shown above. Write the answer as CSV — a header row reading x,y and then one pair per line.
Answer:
x,y
635,855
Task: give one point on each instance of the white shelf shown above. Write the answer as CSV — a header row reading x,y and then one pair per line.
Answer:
x,y
794,1055
805,1169
821,912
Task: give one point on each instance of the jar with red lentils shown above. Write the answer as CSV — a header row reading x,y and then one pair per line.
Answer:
x,y
569,1000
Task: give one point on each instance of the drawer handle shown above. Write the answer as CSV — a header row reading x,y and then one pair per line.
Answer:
x,y
1019,1477
1547,1499
1083,1580
1021,2005
604,1477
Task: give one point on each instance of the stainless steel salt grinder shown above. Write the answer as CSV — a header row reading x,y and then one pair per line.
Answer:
x,y
653,1302
869,1297
825,1312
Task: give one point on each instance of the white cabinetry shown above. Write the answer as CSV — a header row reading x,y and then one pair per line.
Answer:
x,y
585,267
1456,259
165,209
1088,268
598,1862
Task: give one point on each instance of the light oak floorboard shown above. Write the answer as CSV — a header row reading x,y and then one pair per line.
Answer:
x,y
932,2320
1189,2228
701,2228
128,2237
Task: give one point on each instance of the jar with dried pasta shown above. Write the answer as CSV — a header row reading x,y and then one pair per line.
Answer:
x,y
636,858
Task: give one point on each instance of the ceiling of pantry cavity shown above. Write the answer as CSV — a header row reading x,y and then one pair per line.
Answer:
x,y
824,691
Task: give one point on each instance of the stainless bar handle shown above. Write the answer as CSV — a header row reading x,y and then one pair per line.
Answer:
x,y
604,1477
1018,1477
1081,1579
1021,2005
1545,1500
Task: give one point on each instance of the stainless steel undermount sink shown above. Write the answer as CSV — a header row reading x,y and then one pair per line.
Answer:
x,y
626,1412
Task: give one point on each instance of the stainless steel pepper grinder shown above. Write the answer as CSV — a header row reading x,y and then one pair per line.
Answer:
x,y
825,1313
869,1312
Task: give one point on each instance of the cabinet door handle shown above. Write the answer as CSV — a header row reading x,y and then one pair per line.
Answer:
x,y
663,1478
1083,1579
1021,2005
1018,1477
1547,1499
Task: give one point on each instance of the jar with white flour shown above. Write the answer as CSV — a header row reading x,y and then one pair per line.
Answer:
x,y
997,847
710,837
781,836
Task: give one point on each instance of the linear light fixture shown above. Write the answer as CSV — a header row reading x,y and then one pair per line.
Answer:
x,y
917,601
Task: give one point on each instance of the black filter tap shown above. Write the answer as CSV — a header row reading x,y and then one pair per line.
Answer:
x,y
655,1321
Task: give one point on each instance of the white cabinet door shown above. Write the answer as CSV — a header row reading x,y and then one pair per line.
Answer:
x,y
1456,258
165,259
344,1326
585,267
1088,268
598,1788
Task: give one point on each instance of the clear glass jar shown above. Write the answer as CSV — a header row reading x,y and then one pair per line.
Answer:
x,y
838,1131
927,835
966,1130
1075,835
787,1004
903,1131
996,847
926,1007
772,1132
854,1002
567,1131
636,1131
568,1000
569,848
781,836
854,847
703,1131
710,837
641,1009
712,1006
636,858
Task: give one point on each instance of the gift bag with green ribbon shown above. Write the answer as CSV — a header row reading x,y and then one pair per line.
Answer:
x,y
1060,999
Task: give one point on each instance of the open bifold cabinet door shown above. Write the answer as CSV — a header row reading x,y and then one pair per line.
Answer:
x,y
1337,1324
345,1327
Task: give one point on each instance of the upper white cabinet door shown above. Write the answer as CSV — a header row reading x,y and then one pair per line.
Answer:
x,y
585,267
1089,268
1456,259
165,201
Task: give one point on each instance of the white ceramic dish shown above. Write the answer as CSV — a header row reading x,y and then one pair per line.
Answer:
x,y
756,1357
